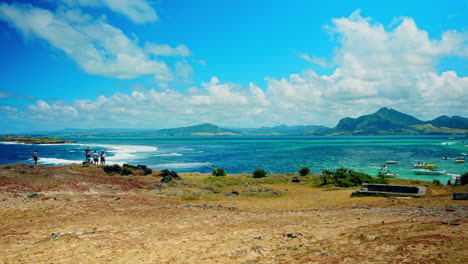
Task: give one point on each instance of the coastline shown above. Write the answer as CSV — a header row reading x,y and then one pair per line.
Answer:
x,y
34,141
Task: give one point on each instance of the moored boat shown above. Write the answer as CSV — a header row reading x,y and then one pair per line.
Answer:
x,y
460,160
419,165
392,161
429,172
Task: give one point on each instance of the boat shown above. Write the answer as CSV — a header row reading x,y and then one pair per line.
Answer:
x,y
429,172
392,161
460,160
419,165
452,138
383,167
445,158
387,174
390,174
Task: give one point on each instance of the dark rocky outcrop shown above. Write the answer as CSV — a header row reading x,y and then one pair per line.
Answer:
x,y
169,176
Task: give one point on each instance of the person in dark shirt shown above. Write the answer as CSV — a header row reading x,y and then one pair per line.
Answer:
x,y
35,157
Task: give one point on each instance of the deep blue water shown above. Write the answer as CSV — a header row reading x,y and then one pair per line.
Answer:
x,y
244,154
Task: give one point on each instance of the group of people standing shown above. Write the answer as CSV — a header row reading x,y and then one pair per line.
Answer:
x,y
88,157
95,157
457,182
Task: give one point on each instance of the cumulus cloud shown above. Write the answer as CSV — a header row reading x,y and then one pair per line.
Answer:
x,y
375,66
139,11
379,67
166,50
319,61
96,46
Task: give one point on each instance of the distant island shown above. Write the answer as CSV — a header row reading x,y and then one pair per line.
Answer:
x,y
31,140
384,122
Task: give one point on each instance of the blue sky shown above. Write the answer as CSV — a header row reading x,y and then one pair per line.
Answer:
x,y
159,64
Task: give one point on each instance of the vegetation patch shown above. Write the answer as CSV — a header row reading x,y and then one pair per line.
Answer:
x,y
218,171
259,173
348,178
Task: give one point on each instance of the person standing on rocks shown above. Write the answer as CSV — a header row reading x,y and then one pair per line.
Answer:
x,y
95,158
103,157
35,157
88,155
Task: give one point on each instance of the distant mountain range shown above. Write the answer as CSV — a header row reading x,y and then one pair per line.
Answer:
x,y
385,121
391,122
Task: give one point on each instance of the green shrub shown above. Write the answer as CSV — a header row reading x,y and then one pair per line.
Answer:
x,y
348,178
464,178
303,171
436,182
218,171
259,173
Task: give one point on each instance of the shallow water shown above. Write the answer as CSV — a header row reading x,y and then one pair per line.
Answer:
x,y
244,154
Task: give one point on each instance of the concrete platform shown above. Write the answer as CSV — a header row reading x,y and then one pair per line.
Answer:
x,y
370,189
460,196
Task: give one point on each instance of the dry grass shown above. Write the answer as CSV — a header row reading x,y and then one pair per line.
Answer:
x,y
107,219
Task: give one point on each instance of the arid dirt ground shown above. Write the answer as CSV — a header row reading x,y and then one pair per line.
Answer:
x,y
75,214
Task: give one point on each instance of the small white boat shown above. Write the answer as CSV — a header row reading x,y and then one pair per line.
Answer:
x,y
445,158
419,165
387,174
460,160
383,167
429,172
392,161
390,174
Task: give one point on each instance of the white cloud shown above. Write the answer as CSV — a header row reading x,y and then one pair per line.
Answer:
x,y
96,46
319,61
8,110
379,67
166,50
376,67
183,70
139,11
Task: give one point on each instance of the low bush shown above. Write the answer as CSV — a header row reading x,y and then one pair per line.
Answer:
x,y
218,171
303,171
464,178
259,173
436,182
349,178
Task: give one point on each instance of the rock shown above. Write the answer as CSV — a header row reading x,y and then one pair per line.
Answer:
x,y
211,188
460,196
292,235
28,194
257,250
296,179
264,189
235,192
169,176
116,198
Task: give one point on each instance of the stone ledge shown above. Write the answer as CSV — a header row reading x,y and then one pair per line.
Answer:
x,y
460,196
385,190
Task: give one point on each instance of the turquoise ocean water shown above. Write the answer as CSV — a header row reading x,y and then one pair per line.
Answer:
x,y
244,154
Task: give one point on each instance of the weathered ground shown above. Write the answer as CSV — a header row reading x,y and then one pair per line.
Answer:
x,y
81,215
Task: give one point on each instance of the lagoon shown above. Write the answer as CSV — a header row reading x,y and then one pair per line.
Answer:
x,y
244,154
